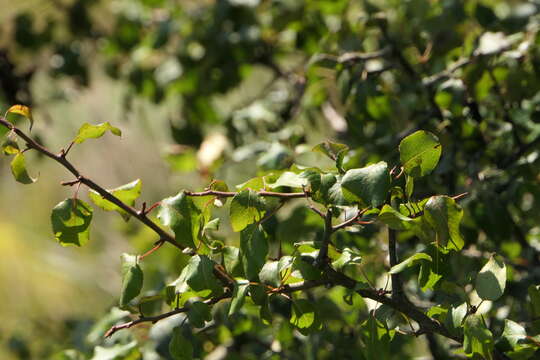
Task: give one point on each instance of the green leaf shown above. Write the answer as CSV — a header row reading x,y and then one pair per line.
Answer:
x,y
290,179
118,351
21,110
89,131
269,274
377,339
184,217
512,336
238,297
198,314
179,347
10,147
491,280
370,183
414,260
394,219
303,314
127,193
454,318
419,153
409,186
347,257
477,338
253,250
444,215
231,261
247,207
71,221
334,151
200,277
132,279
18,169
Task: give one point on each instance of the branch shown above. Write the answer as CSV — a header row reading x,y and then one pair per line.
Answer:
x,y
61,159
322,257
233,193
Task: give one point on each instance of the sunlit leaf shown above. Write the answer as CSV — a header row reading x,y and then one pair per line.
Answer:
x,y
347,257
21,110
89,131
371,183
420,153
238,297
127,193
491,280
247,207
71,222
334,151
18,169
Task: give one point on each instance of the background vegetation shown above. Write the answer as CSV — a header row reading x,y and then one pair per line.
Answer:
x,y
231,89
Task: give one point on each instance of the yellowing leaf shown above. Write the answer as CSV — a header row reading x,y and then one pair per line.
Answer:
x,y
18,169
21,110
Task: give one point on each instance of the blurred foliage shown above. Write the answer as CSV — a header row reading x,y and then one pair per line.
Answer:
x,y
246,83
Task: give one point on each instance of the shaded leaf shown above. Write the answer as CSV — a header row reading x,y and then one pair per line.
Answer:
x,y
477,338
303,314
132,279
491,280
253,250
334,151
71,221
414,260
238,297
89,131
444,215
179,347
419,153
198,314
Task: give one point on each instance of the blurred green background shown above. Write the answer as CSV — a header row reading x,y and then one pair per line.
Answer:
x,y
229,88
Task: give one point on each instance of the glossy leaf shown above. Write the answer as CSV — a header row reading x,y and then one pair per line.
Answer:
x,y
370,184
347,257
231,261
18,169
444,215
513,335
89,131
10,147
253,250
270,274
21,110
71,222
132,279
247,207
394,219
419,153
491,280
182,215
334,151
290,179
411,261
179,347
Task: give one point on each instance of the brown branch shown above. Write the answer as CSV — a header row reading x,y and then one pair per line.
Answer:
x,y
233,193
351,221
61,159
